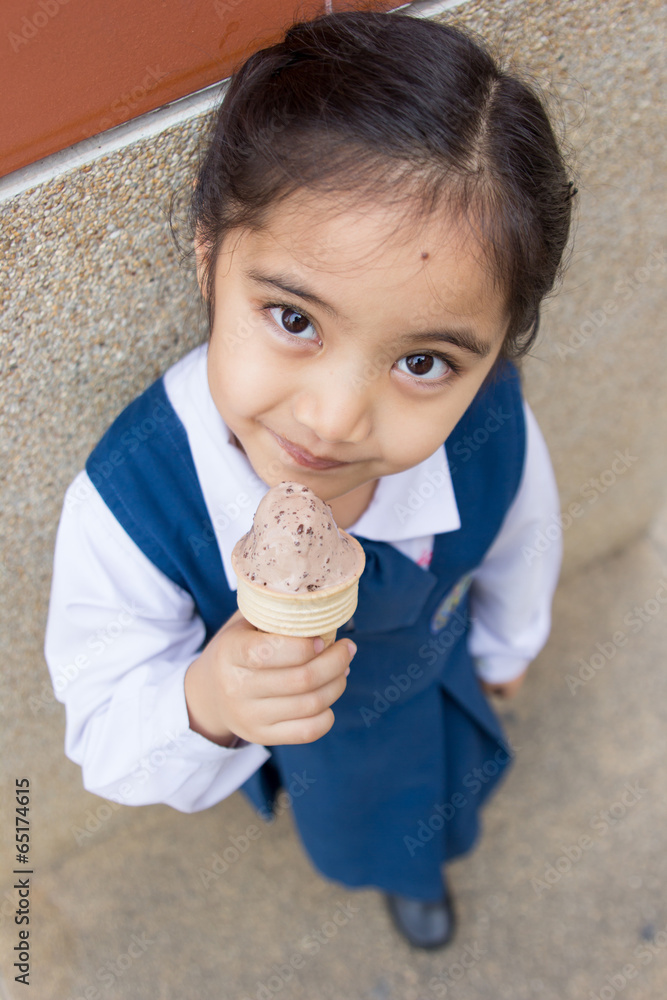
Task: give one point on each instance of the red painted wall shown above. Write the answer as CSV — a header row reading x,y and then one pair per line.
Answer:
x,y
73,68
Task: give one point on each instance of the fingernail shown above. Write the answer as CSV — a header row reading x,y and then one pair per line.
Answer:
x,y
351,647
319,644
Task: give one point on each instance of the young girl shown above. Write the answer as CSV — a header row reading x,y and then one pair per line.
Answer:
x,y
379,213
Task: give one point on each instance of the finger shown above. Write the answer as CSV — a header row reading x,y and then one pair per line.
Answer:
x,y
248,647
301,678
297,707
300,730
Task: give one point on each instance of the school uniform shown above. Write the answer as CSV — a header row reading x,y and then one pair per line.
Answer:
x,y
454,589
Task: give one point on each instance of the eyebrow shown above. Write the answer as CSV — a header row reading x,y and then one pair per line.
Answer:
x,y
465,340
286,283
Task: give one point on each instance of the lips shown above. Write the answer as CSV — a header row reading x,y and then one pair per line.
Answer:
x,y
303,457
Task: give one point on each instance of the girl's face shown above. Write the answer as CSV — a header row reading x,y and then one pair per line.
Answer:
x,y
342,352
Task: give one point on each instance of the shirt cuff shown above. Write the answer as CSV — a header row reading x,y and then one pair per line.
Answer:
x,y
499,669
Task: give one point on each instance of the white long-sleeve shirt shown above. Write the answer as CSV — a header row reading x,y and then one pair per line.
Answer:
x,y
121,635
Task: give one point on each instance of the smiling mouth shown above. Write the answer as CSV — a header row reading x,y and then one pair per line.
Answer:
x,y
305,458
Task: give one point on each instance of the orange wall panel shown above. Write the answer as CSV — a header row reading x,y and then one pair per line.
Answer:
x,y
74,68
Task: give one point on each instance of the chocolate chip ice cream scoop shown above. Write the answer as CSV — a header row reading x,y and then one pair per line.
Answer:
x,y
297,572
295,545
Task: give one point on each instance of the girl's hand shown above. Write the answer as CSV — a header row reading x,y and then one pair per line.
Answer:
x,y
267,689
505,690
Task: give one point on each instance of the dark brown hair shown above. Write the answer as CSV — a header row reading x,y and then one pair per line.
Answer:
x,y
382,106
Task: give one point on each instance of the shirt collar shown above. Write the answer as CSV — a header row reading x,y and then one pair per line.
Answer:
x,y
411,504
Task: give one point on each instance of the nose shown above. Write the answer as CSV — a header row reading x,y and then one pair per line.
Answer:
x,y
336,408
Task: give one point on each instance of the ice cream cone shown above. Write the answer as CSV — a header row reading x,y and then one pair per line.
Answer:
x,y
310,613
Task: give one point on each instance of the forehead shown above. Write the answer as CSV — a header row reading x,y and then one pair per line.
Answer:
x,y
379,257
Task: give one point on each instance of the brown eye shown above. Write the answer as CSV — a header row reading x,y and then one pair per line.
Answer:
x,y
296,322
291,321
420,364
426,367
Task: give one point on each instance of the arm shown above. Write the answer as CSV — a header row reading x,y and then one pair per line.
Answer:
x,y
120,637
512,590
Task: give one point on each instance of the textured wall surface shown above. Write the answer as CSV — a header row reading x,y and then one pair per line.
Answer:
x,y
96,305
597,378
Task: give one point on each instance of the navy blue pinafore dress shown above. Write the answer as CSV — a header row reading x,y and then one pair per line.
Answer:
x,y
394,789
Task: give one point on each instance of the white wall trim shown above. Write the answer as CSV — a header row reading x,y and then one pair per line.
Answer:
x,y
151,123
428,8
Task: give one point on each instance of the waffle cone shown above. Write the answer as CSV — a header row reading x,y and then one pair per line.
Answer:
x,y
311,613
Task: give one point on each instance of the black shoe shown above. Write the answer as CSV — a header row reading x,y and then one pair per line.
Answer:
x,y
424,924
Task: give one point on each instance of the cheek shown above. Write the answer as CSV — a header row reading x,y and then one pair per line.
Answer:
x,y
243,382
411,433
411,430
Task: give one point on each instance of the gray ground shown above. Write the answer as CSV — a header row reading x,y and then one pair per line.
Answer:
x,y
543,914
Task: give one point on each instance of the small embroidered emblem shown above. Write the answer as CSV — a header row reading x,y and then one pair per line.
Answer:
x,y
446,608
